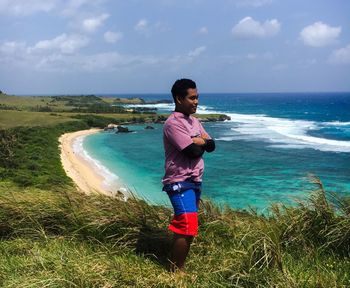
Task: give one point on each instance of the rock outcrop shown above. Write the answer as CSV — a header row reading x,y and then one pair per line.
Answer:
x,y
122,129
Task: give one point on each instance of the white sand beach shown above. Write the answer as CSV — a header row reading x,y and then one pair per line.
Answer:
x,y
87,176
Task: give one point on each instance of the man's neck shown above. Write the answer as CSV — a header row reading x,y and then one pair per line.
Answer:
x,y
178,110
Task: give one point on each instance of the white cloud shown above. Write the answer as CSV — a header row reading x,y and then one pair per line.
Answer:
x,y
319,34
45,58
112,61
12,47
66,44
253,3
196,52
73,6
112,37
56,55
142,26
93,23
340,56
13,54
203,31
262,56
26,7
249,28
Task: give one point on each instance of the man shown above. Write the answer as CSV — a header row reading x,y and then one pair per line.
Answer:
x,y
185,141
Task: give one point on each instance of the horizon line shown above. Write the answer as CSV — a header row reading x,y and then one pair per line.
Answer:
x,y
163,93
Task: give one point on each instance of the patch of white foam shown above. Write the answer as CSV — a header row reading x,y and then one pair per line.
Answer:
x,y
282,133
201,109
111,181
160,106
337,123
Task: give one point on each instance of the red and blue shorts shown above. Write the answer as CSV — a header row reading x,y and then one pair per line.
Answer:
x,y
184,197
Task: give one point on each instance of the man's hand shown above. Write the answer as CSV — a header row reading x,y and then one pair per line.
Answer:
x,y
198,141
205,136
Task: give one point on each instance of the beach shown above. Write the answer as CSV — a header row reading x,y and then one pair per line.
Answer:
x,y
85,172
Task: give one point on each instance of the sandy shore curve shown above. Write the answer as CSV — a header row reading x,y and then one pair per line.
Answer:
x,y
84,172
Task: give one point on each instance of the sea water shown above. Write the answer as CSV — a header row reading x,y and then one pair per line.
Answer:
x,y
263,155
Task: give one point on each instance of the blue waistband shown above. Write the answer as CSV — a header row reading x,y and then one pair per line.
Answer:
x,y
182,186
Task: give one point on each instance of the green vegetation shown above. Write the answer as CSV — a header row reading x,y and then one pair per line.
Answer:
x,y
67,103
102,120
24,103
30,155
53,236
117,100
11,119
65,239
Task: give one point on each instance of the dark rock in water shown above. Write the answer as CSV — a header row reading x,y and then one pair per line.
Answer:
x,y
221,117
149,127
160,119
122,129
110,127
145,109
224,117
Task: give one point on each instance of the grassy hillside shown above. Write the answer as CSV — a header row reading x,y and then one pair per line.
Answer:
x,y
12,118
53,236
62,103
65,239
23,103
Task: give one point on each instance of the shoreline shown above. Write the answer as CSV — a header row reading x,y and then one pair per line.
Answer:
x,y
83,170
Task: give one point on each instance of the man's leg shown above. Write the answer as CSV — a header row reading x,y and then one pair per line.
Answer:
x,y
184,225
179,251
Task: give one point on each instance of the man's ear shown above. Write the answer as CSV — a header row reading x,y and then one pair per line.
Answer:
x,y
178,99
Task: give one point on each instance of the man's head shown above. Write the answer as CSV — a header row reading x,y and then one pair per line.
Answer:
x,y
185,96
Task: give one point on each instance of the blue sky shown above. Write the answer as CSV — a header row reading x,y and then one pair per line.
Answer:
x,y
134,46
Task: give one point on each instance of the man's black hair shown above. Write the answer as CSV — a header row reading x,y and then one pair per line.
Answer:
x,y
181,86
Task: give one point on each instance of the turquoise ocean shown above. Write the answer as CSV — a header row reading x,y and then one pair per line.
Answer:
x,y
263,154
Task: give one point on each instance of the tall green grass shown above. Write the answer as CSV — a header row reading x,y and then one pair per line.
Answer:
x,y
66,239
30,156
11,119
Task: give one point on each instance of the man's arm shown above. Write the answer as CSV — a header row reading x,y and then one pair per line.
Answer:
x,y
193,151
199,145
209,144
191,147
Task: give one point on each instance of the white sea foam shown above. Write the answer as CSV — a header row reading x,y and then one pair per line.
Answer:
x,y
202,109
110,179
162,106
169,107
283,133
337,123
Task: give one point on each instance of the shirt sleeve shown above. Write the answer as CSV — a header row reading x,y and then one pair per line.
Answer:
x,y
177,135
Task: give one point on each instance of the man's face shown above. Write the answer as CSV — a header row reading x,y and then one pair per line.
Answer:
x,y
188,105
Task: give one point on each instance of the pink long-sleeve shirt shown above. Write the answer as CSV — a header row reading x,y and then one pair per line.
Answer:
x,y
178,131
